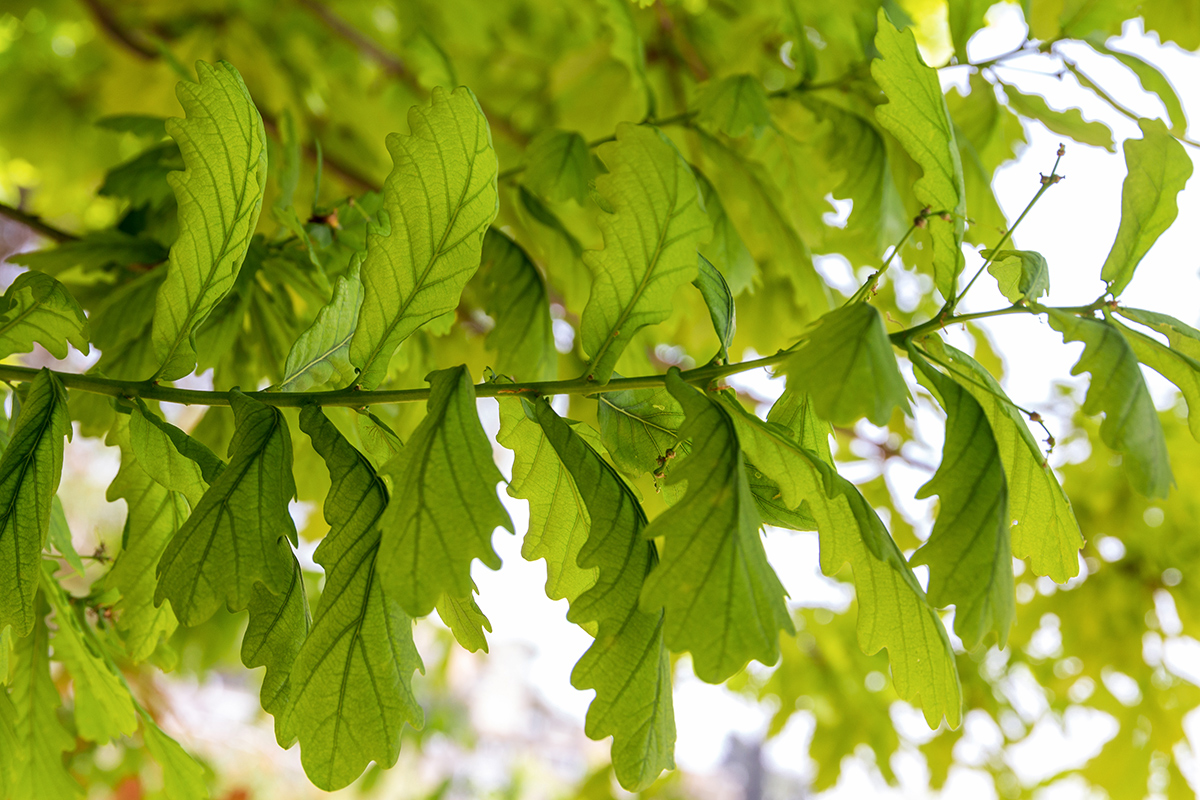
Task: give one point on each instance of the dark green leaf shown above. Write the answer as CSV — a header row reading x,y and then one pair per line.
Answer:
x,y
723,601
437,202
719,300
29,473
445,508
218,208
94,252
359,658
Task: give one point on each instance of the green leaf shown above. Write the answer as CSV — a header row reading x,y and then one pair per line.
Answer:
x,y
966,18
627,46
638,426
1177,367
220,195
726,250
183,778
141,125
519,303
558,166
143,180
445,507
1159,168
238,533
917,116
734,105
155,514
628,664
1068,123
41,737
1182,337
322,352
650,241
359,658
719,300
1021,274
437,202
1044,527
29,473
1117,390
892,609
466,621
93,251
1151,80
37,308
969,552
847,367
558,519
59,536
170,456
103,708
723,601
278,626
796,411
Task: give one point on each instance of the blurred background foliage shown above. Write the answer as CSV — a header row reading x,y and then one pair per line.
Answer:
x,y
83,153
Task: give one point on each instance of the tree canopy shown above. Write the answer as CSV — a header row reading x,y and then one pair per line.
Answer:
x,y
334,231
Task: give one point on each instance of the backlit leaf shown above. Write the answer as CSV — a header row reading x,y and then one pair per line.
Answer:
x,y
1177,367
438,201
445,507
559,166
1021,274
719,300
466,621
37,308
322,353
220,195
518,302
650,241
183,778
734,105
278,626
1068,123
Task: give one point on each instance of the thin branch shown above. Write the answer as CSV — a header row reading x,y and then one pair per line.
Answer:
x,y
105,19
35,223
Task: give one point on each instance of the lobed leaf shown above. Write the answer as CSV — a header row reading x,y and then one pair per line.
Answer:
x,y
237,535
846,366
1117,390
1159,168
969,552
93,251
1044,528
917,116
726,250
1182,337
1151,80
722,600
279,624
628,665
183,777
445,508
1069,123
1021,274
220,195
29,473
359,657
322,352
638,426
37,308
438,201
518,301
466,621
650,240
1177,367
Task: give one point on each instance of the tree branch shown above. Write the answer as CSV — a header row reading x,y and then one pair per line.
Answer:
x,y
35,223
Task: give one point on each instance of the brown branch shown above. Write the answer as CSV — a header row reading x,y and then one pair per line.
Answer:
x,y
35,223
106,20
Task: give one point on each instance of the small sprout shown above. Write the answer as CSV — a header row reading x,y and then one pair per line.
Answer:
x,y
1050,441
670,452
1062,150
660,473
1035,416
921,222
945,216
1050,180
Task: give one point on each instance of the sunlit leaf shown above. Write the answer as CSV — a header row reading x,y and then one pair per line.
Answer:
x,y
1021,274
558,166
322,353
1065,123
523,337
734,105
37,308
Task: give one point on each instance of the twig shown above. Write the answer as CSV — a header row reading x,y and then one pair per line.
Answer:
x,y
35,223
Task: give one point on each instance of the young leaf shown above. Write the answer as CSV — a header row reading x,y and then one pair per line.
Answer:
x,y
1152,81
559,166
650,242
183,778
40,737
638,426
322,352
445,507
176,460
734,105
29,473
558,519
220,195
719,300
359,658
466,621
796,411
723,601
628,665
892,609
278,626
1131,425
155,514
437,202
1159,168
916,115
37,308
1044,527
103,708
1068,123
969,553
847,367
1021,274
517,300
238,533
